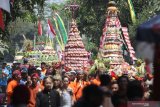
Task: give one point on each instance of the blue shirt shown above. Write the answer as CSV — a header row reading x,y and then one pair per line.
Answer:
x,y
23,82
4,78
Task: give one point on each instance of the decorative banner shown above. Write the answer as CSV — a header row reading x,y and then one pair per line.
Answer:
x,y
130,48
58,32
52,31
62,28
132,12
39,28
2,25
50,28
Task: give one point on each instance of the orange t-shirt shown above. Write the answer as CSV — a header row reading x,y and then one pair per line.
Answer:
x,y
33,94
10,87
77,88
44,71
72,86
96,82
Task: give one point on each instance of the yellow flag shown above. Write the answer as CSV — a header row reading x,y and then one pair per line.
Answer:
x,y
132,12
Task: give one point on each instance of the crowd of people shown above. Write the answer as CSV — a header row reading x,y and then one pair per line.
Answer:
x,y
44,86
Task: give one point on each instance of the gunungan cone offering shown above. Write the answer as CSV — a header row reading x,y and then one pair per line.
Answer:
x,y
76,57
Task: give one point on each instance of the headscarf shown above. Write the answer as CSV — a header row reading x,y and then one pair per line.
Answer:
x,y
16,73
35,75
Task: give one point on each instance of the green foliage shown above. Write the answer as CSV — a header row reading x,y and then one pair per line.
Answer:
x,y
3,47
91,18
27,45
148,10
56,7
90,46
100,65
24,9
20,26
20,21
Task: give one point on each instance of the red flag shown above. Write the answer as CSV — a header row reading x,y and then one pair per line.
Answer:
x,y
51,28
39,28
2,25
113,74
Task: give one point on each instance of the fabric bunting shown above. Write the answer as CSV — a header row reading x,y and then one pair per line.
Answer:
x,y
126,37
102,39
117,22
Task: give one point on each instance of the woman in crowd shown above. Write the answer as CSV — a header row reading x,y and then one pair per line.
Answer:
x,y
119,98
48,97
57,79
114,87
66,93
105,80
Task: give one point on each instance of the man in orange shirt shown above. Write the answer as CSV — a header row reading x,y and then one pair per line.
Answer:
x,y
43,66
73,80
78,85
16,77
34,89
94,79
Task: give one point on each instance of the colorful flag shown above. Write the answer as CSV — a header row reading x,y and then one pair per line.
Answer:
x,y
2,25
58,31
5,5
62,28
132,12
51,30
39,28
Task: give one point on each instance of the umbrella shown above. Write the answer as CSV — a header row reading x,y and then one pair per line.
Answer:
x,y
149,31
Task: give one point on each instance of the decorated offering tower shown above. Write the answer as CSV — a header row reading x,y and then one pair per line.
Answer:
x,y
113,39
75,54
40,53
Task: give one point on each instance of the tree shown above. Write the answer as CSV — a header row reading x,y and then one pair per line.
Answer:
x,y
3,47
25,11
148,10
91,16
20,30
27,45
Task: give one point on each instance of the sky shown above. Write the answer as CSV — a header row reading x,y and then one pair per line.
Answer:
x,y
56,1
